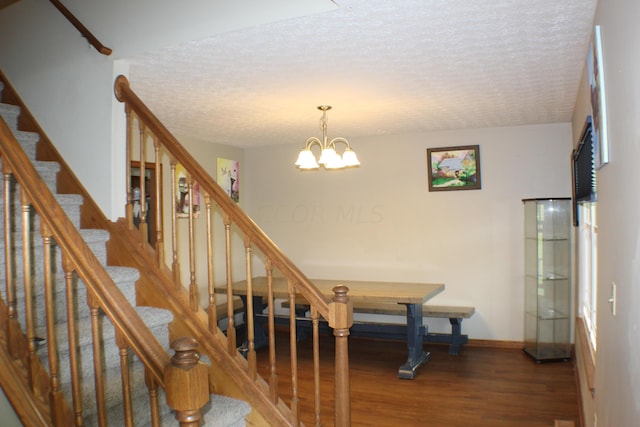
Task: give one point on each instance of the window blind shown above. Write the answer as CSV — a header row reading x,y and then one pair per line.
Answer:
x,y
584,174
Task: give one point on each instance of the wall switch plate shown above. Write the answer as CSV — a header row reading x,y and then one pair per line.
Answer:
x,y
613,298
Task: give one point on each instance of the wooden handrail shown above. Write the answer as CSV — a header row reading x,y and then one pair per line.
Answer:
x,y
124,94
83,30
110,298
143,128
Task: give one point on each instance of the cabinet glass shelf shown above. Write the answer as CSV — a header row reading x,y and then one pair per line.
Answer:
x,y
547,278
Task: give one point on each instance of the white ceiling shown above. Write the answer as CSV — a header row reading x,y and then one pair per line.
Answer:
x,y
386,66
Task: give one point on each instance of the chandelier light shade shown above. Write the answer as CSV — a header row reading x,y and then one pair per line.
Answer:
x,y
329,157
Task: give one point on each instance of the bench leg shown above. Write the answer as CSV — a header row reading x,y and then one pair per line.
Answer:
x,y
457,339
260,337
415,340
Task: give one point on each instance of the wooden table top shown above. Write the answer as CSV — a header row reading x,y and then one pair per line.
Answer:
x,y
359,291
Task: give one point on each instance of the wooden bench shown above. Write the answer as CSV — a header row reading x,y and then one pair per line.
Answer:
x,y
455,314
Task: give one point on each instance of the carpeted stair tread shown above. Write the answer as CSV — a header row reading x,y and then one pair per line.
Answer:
x,y
220,411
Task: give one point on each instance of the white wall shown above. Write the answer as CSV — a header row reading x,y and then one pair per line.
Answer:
x,y
7,414
617,395
207,155
65,84
68,86
380,222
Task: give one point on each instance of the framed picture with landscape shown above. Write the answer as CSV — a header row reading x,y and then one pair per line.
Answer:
x,y
454,168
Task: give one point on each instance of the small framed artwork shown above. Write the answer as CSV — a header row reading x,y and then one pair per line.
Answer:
x,y
227,177
454,168
598,100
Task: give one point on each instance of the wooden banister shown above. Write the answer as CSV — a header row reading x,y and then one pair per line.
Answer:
x,y
257,236
143,126
89,269
83,30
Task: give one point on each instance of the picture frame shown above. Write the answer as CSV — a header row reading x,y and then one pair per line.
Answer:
x,y
454,168
227,176
595,71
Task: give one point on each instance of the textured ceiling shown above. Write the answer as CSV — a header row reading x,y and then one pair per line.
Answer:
x,y
386,67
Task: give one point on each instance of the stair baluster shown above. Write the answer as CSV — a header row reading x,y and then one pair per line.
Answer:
x,y
143,226
11,324
159,243
32,357
55,394
193,286
175,265
130,129
273,373
293,349
74,363
152,387
315,321
231,327
97,360
251,348
126,379
211,309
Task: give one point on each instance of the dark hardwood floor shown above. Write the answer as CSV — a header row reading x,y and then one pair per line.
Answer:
x,y
480,387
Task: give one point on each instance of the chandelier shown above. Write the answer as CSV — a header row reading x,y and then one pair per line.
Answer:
x,y
329,158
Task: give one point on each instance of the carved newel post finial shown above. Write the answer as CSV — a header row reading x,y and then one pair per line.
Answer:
x,y
187,382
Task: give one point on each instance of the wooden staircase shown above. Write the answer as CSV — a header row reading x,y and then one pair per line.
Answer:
x,y
52,322
159,272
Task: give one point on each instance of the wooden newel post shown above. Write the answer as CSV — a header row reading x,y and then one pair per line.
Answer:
x,y
341,319
186,382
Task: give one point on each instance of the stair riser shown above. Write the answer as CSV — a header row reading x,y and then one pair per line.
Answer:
x,y
48,174
10,115
70,205
28,141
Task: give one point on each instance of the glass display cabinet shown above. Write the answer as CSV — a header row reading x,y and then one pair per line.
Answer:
x,y
547,251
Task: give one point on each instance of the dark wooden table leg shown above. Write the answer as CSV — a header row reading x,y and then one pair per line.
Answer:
x,y
415,340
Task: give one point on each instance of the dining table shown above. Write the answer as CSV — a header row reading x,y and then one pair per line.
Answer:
x,y
411,295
